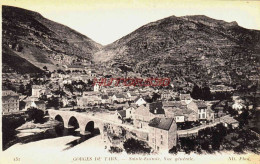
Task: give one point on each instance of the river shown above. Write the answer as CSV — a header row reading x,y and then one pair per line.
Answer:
x,y
12,137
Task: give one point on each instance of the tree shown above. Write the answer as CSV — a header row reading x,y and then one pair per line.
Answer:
x,y
45,68
155,96
125,69
35,115
206,94
174,150
133,146
196,92
53,102
21,89
28,90
243,117
43,97
114,149
73,103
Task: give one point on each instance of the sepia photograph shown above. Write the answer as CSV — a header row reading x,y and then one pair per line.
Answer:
x,y
128,81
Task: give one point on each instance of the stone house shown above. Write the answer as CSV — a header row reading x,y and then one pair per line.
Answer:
x,y
121,114
181,114
10,102
130,111
105,99
203,111
132,96
119,98
38,90
92,74
229,121
166,95
89,100
162,133
186,98
97,87
144,113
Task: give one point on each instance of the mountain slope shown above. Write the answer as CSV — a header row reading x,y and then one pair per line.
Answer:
x,y
41,41
12,62
191,48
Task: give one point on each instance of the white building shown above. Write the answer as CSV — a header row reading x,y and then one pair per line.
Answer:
x,y
238,106
130,112
140,101
186,98
37,90
97,88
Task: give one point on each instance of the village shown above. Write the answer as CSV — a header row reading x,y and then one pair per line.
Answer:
x,y
161,117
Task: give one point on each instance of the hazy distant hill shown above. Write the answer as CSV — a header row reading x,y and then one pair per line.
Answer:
x,y
191,47
41,42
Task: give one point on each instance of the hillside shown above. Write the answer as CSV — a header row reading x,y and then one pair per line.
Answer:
x,y
192,48
42,42
189,49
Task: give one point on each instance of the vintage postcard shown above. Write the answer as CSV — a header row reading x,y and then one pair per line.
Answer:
x,y
130,81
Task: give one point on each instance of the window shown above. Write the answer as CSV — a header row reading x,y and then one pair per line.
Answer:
x,y
161,142
161,136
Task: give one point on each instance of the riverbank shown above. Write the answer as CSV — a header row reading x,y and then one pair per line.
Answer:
x,y
60,145
56,149
31,128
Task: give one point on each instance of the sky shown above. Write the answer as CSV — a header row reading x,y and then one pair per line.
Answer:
x,y
105,21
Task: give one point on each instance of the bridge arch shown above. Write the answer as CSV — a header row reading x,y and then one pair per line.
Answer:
x,y
90,127
59,129
73,122
59,118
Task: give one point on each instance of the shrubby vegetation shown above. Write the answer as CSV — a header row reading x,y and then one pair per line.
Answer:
x,y
35,115
201,93
133,146
219,138
114,149
9,124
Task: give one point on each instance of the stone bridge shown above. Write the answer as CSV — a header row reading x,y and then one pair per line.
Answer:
x,y
88,123
82,121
